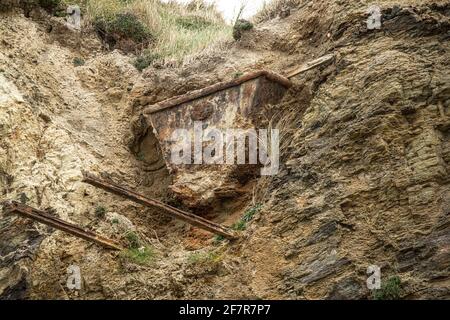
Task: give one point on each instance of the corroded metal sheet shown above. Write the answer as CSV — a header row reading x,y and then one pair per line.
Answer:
x,y
236,104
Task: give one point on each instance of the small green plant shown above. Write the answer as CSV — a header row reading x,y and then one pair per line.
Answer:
x,y
143,255
240,26
241,225
115,221
238,74
249,214
78,62
24,198
100,212
143,61
133,240
390,290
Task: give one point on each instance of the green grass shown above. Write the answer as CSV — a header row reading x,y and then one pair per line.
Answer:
x,y
241,225
249,214
193,22
143,256
390,290
137,252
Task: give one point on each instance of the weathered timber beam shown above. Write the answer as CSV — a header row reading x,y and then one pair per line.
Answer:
x,y
165,208
309,65
12,207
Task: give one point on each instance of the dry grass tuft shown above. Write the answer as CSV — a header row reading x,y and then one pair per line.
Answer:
x,y
273,8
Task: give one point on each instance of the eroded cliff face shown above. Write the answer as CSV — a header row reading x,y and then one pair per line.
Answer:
x,y
365,162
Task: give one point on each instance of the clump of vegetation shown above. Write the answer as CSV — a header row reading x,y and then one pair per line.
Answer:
x,y
24,198
78,62
123,25
250,213
193,22
240,26
133,240
115,221
100,212
143,61
238,74
143,255
210,257
137,251
390,290
241,225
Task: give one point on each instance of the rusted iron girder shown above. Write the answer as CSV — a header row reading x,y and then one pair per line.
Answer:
x,y
165,208
13,207
197,94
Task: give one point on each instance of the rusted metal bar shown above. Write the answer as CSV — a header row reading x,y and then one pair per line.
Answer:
x,y
167,209
12,207
309,65
197,94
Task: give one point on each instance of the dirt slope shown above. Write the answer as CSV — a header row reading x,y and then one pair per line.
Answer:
x,y
365,163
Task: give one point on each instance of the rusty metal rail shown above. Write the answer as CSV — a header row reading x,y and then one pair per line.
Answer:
x,y
310,65
12,207
167,209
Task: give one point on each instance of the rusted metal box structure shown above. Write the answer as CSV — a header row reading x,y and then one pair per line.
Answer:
x,y
236,104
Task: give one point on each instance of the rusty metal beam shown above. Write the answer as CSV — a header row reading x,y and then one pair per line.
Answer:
x,y
309,65
197,94
165,208
12,207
